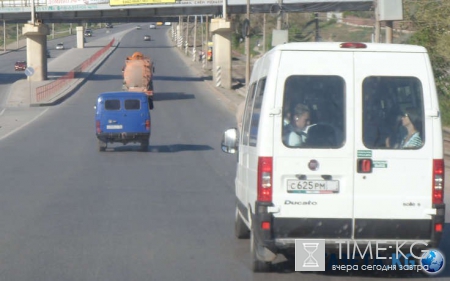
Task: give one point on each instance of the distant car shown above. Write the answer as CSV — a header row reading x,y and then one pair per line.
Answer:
x,y
109,25
147,38
60,46
138,27
159,23
152,26
167,23
20,65
88,33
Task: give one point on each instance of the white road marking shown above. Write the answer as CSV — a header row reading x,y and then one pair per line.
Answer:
x,y
24,125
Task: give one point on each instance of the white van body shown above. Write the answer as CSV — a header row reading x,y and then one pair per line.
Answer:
x,y
356,187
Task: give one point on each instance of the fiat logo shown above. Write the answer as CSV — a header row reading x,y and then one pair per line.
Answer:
x,y
313,165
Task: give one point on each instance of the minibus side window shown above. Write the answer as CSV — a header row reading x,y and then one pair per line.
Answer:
x,y
254,123
393,115
248,114
313,112
112,104
132,104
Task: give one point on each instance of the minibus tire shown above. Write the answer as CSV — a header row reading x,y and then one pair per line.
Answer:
x,y
144,145
241,230
101,145
257,265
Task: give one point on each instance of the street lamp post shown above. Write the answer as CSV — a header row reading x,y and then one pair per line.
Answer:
x,y
247,49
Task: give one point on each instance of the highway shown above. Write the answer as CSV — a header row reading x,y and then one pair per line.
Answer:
x,y
69,212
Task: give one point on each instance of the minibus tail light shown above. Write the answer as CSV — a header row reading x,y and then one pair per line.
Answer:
x,y
147,124
265,179
97,127
438,181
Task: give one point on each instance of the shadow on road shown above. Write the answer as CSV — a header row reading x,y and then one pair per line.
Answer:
x,y
162,148
179,78
158,96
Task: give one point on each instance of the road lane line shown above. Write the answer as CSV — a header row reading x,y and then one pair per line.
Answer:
x,y
25,124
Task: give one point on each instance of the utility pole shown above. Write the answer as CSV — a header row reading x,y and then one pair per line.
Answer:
x,y
224,9
247,50
377,22
280,16
32,12
264,34
194,49
389,31
317,27
4,36
207,41
187,36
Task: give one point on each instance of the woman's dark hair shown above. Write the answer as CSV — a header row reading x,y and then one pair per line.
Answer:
x,y
415,117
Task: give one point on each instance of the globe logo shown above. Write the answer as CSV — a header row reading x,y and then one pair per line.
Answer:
x,y
432,261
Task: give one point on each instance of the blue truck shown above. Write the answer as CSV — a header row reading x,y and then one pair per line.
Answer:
x,y
123,117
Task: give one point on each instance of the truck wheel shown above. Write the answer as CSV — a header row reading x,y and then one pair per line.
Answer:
x,y
101,145
257,265
241,230
144,145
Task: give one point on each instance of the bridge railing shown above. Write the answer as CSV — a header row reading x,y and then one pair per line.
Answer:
x,y
22,3
53,89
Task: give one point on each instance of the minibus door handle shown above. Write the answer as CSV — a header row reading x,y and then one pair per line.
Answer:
x,y
364,165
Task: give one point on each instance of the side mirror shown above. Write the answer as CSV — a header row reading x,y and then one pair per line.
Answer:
x,y
95,107
230,141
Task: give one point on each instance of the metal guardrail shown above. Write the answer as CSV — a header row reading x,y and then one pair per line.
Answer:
x,y
50,90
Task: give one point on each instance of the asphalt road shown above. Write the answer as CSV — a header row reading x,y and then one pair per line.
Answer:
x,y
69,212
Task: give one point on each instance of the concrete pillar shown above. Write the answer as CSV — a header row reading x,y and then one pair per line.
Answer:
x,y
36,49
221,29
80,37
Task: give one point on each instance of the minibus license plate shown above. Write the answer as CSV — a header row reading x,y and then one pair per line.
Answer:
x,y
114,126
312,186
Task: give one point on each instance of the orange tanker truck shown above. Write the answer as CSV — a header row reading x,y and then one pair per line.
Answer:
x,y
138,74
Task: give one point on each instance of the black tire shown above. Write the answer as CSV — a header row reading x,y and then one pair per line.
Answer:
x,y
257,265
144,145
101,145
241,230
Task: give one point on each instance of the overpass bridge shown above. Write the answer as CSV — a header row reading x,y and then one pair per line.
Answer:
x,y
42,12
73,11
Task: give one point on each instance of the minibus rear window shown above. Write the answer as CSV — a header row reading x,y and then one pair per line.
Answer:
x,y
112,104
392,113
132,104
314,112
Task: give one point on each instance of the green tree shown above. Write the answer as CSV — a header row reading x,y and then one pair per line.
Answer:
x,y
431,22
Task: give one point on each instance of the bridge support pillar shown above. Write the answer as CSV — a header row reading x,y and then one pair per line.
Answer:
x,y
221,30
80,37
36,49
